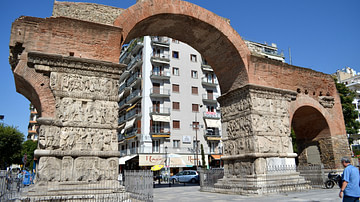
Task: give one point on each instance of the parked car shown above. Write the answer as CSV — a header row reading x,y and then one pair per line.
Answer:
x,y
185,176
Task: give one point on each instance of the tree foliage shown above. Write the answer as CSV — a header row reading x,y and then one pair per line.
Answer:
x,y
350,114
28,148
10,145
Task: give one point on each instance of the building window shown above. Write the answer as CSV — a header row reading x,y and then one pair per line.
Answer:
x,y
210,108
176,105
175,54
176,71
194,90
193,58
195,107
213,146
194,74
156,145
176,88
176,143
176,124
175,41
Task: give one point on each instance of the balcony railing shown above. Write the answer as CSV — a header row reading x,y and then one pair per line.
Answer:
x,y
160,130
161,58
160,75
132,113
135,62
133,78
210,98
160,110
212,115
160,40
133,96
121,119
159,92
215,133
209,82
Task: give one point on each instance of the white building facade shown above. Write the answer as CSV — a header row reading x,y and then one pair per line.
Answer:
x,y
351,79
167,105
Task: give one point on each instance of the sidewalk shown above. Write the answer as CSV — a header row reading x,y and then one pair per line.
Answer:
x,y
192,193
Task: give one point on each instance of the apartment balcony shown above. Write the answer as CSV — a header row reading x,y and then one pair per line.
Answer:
x,y
161,58
160,41
160,132
133,97
212,83
206,67
136,112
30,131
33,122
212,115
123,105
209,98
163,75
160,93
121,119
135,62
135,78
160,111
212,135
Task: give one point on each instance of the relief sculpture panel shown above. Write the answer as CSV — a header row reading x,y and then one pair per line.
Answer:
x,y
85,112
75,83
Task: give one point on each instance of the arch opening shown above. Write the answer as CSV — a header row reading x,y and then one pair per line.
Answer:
x,y
222,47
310,132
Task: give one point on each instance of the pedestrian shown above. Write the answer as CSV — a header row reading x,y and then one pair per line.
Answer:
x,y
350,189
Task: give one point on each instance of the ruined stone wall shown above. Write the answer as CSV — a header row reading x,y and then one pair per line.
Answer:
x,y
87,11
67,37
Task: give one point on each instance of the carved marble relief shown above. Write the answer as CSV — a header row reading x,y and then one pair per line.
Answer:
x,y
80,139
83,84
88,169
75,111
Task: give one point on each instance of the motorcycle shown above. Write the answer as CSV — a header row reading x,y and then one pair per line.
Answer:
x,y
333,178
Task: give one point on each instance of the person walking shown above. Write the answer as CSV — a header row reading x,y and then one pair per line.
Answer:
x,y
350,189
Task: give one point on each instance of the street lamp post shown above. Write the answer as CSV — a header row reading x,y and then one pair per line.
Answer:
x,y
196,127
166,164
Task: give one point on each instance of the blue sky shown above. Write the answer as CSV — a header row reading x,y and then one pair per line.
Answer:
x,y
323,35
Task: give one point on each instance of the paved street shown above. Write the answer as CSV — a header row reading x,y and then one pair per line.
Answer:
x,y
192,193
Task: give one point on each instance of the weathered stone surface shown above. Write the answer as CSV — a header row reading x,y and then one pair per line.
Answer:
x,y
87,11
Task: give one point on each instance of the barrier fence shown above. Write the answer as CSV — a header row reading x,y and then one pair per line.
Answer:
x,y
139,183
314,176
138,187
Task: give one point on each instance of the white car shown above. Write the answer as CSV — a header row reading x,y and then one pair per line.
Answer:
x,y
185,176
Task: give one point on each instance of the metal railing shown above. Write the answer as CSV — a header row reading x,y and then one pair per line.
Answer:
x,y
159,110
133,78
139,184
161,39
211,97
136,93
161,56
160,130
160,91
133,112
133,61
213,81
164,74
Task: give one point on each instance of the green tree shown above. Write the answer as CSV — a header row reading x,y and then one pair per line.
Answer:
x,y
28,148
10,145
350,114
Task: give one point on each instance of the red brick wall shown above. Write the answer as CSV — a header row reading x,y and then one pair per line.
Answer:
x,y
64,35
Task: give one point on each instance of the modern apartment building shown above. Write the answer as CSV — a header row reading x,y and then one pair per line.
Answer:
x,y
168,106
32,127
351,79
265,50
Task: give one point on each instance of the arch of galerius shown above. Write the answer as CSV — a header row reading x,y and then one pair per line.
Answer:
x,y
67,66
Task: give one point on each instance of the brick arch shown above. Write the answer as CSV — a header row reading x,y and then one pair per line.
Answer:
x,y
314,126
205,31
35,87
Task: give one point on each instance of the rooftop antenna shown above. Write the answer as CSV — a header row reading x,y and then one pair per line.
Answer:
x,y
290,56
